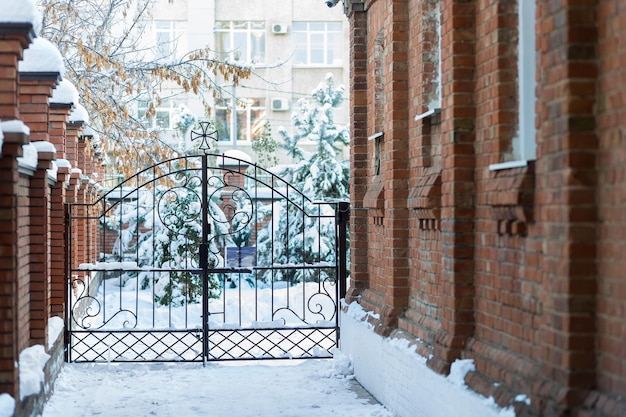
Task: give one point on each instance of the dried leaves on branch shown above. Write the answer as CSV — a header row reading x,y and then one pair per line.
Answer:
x,y
113,60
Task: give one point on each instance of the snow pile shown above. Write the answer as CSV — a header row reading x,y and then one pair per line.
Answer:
x,y
459,369
14,126
63,163
31,365
22,11
342,364
29,157
55,327
7,405
79,114
233,156
44,146
110,266
42,56
357,312
65,93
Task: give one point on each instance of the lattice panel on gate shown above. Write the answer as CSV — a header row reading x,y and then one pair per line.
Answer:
x,y
136,346
279,343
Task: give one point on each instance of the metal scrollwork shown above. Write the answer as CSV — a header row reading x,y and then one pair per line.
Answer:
x,y
178,206
87,307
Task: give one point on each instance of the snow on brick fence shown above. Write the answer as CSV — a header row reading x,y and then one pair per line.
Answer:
x,y
43,165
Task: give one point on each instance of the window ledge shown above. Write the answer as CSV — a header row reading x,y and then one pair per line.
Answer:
x,y
425,198
508,165
511,193
431,112
375,194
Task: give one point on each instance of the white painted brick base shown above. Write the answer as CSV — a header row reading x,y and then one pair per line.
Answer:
x,y
399,378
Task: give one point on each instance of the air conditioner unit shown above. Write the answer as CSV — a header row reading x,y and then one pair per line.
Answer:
x,y
279,28
280,104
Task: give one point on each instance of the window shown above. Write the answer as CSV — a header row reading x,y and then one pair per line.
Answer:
x,y
170,42
379,101
249,123
164,113
379,83
239,40
317,43
523,145
431,71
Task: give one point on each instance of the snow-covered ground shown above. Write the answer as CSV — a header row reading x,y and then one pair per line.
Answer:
x,y
388,368
289,388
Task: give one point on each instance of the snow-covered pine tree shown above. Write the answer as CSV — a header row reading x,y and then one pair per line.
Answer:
x,y
163,230
265,147
323,174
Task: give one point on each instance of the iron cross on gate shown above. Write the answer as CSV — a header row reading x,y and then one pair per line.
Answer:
x,y
207,130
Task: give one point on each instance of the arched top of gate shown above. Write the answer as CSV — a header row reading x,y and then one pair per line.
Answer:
x,y
229,163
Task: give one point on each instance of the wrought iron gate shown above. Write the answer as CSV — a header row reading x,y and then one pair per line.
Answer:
x,y
204,258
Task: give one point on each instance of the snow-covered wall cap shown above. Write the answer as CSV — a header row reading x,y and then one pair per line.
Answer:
x,y
42,56
88,131
65,93
21,11
63,163
79,114
14,126
44,146
237,154
77,171
29,157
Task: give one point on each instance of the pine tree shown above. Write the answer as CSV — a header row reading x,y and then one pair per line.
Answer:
x,y
265,147
292,237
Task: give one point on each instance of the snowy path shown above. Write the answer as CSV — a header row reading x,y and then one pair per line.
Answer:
x,y
310,388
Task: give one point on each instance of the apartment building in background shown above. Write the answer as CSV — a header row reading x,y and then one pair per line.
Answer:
x,y
292,45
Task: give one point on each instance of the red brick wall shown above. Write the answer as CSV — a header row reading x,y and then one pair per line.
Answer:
x,y
519,269
422,317
12,47
32,224
611,196
12,310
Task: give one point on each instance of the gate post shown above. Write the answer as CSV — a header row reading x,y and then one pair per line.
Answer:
x,y
342,215
204,260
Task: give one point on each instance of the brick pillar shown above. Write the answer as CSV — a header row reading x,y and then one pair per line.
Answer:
x,y
458,189
72,134
567,180
72,196
39,211
14,38
11,340
87,253
359,163
58,119
35,90
395,168
57,243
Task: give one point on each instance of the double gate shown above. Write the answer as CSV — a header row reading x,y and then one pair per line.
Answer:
x,y
204,258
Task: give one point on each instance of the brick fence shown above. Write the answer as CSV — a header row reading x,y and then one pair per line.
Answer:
x,y
43,165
